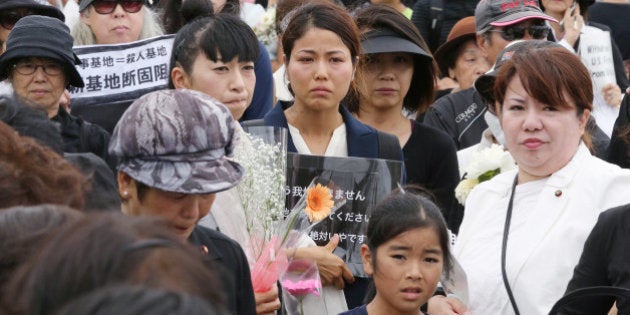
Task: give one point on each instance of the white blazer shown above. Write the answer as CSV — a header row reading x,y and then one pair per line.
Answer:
x,y
541,258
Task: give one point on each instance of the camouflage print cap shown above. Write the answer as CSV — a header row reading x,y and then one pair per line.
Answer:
x,y
178,141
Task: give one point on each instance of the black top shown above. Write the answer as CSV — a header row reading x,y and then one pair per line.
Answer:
x,y
452,12
361,310
230,259
604,262
618,151
431,161
460,115
80,136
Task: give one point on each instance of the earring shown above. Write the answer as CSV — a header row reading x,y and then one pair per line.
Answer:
x,y
125,194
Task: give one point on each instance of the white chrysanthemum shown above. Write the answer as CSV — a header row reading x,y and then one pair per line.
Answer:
x,y
464,188
484,164
489,159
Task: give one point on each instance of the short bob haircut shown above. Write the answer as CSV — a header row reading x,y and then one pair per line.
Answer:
x,y
109,248
553,76
404,210
422,87
325,16
221,37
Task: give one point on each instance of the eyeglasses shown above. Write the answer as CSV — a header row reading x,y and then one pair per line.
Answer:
x,y
27,68
108,6
514,32
8,19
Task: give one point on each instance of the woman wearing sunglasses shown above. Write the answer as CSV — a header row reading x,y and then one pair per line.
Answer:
x,y
115,22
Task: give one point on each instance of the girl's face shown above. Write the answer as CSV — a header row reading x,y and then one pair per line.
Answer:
x,y
320,70
387,78
469,65
405,270
230,82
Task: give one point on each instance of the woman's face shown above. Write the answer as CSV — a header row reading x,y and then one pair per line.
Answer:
x,y
405,271
232,82
469,65
320,70
117,27
556,7
386,79
39,87
181,211
541,138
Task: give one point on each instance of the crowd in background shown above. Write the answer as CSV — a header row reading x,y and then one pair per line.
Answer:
x,y
144,218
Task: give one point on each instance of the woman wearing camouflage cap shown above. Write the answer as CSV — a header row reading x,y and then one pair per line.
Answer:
x,y
173,150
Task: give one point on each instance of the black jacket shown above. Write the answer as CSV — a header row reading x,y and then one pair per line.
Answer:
x,y
460,115
604,262
80,136
232,266
618,150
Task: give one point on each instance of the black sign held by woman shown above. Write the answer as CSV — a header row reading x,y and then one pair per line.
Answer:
x,y
361,182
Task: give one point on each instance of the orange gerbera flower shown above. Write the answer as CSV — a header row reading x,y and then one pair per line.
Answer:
x,y
319,202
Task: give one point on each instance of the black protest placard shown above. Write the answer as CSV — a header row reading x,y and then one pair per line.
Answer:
x,y
116,75
361,182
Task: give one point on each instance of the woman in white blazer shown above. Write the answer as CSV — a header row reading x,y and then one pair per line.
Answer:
x,y
524,230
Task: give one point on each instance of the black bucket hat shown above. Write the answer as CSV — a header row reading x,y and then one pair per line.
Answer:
x,y
41,36
36,7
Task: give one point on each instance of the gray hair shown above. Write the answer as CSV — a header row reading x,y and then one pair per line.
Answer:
x,y
151,27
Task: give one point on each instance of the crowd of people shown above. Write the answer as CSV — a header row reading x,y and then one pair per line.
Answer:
x,y
145,217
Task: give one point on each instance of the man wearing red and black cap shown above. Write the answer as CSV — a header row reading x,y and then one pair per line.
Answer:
x,y
498,22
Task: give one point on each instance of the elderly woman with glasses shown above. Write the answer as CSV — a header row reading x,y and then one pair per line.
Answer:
x,y
115,22
39,64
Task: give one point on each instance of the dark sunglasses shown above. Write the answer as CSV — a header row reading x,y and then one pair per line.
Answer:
x,y
108,6
514,32
8,19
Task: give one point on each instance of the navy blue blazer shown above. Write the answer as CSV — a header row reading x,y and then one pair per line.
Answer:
x,y
362,139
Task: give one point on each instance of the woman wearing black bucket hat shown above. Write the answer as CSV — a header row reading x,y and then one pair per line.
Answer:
x,y
39,63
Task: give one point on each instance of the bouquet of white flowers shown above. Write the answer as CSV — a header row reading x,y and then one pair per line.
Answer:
x,y
484,165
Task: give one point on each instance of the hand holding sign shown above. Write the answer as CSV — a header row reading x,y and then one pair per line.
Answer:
x,y
612,94
332,269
